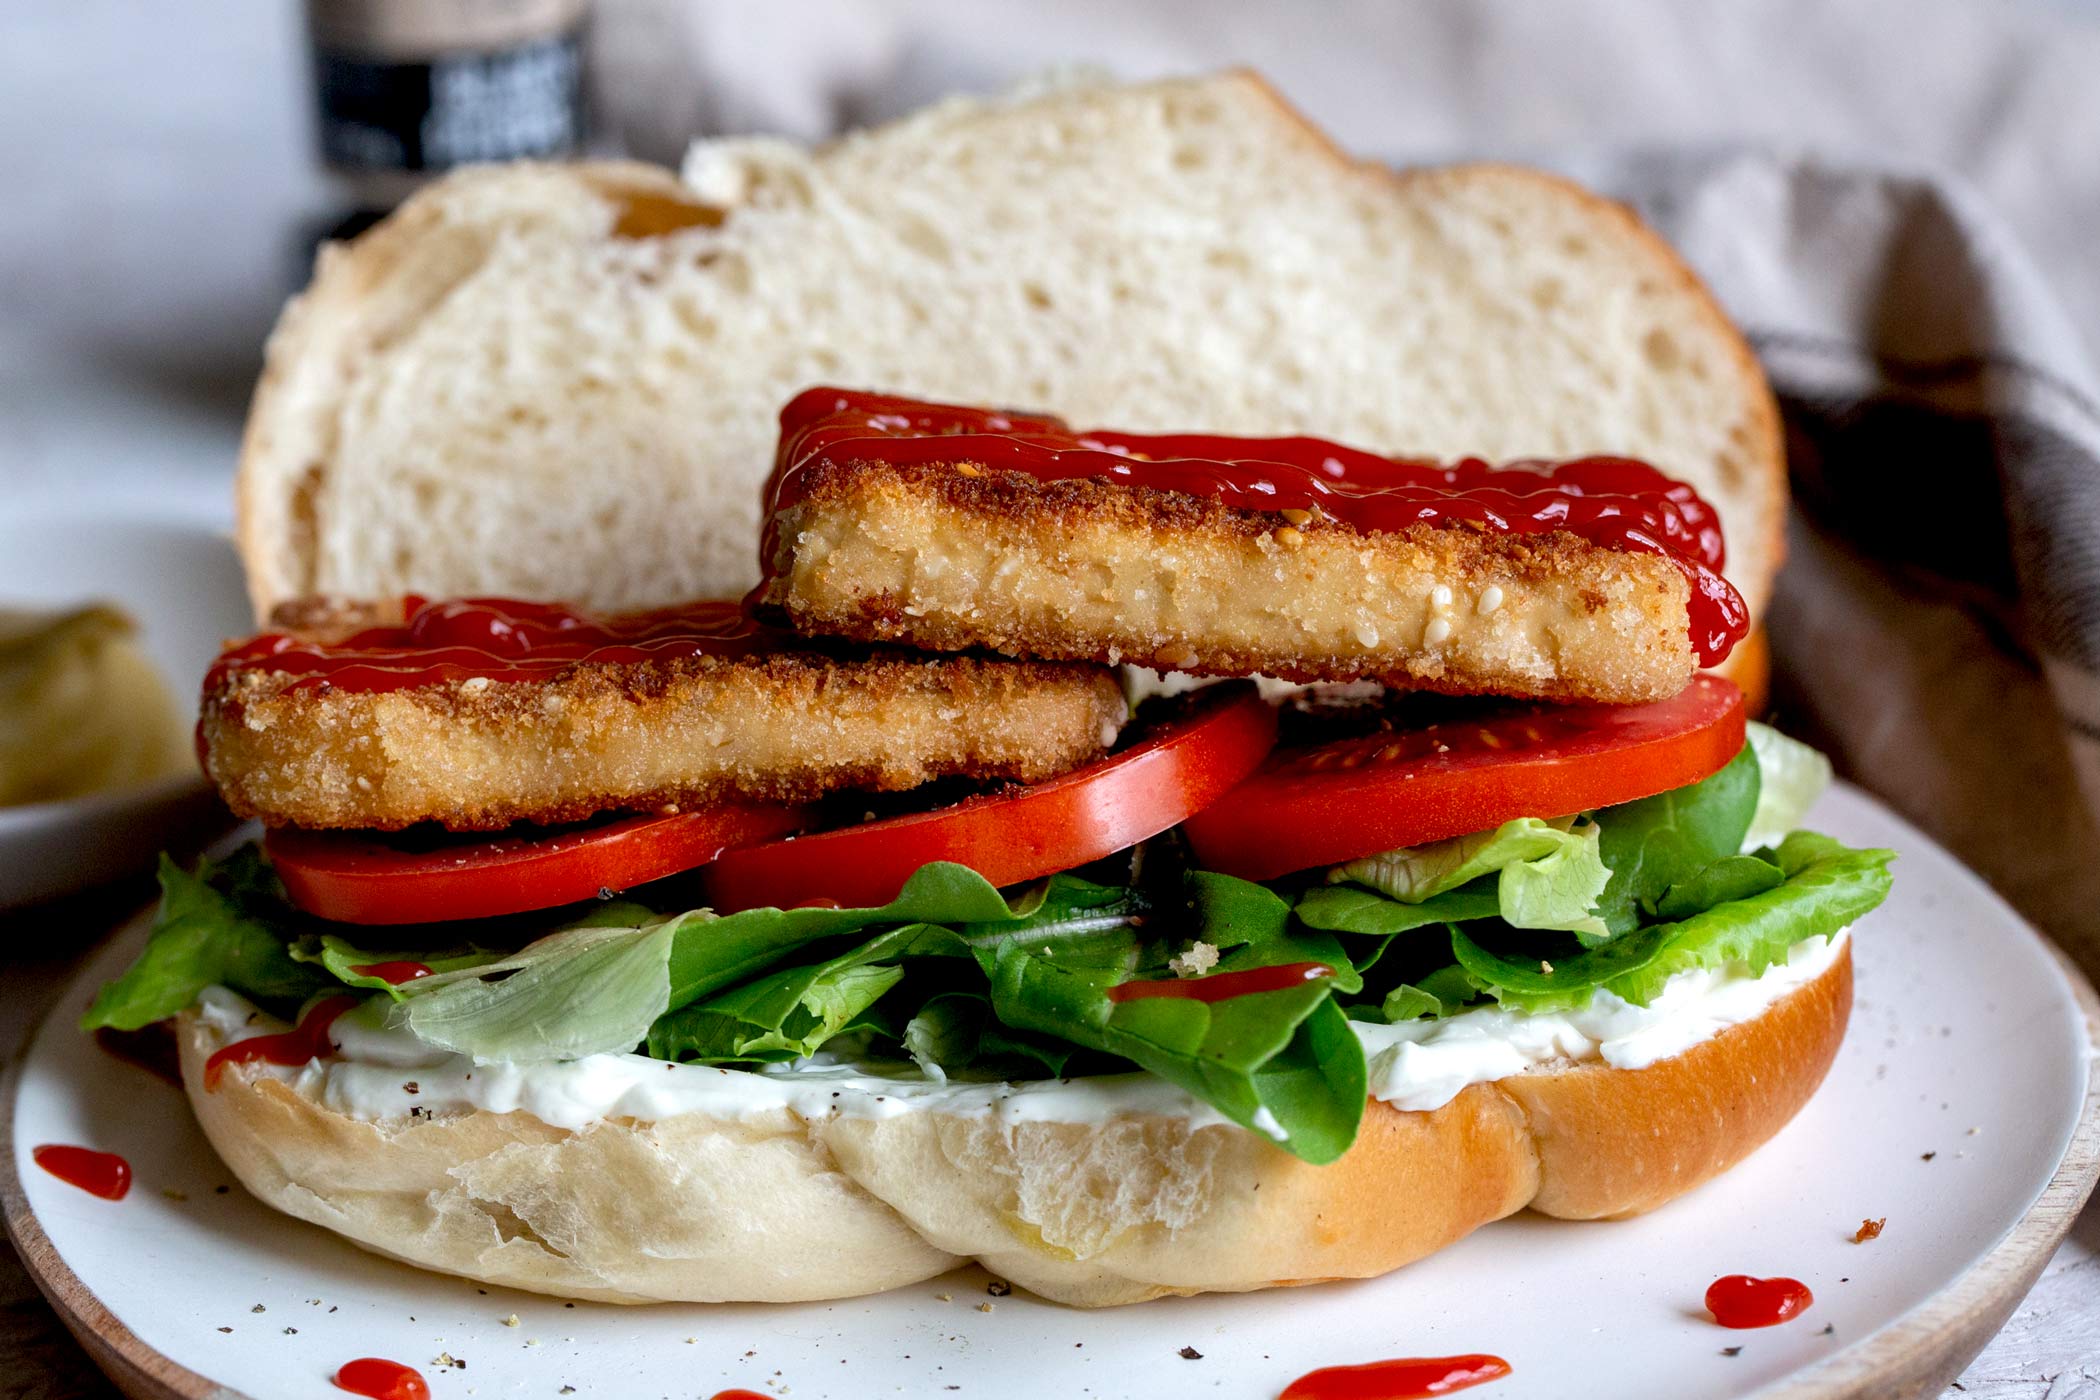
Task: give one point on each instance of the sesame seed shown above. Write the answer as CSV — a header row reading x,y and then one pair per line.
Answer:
x,y
1439,630
1297,517
1441,595
1288,537
1490,599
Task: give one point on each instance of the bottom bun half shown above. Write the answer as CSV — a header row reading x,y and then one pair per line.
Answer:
x,y
774,1207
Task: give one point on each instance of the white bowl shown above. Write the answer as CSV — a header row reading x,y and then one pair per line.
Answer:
x,y
182,583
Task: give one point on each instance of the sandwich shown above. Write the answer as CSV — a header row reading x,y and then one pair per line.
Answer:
x,y
813,946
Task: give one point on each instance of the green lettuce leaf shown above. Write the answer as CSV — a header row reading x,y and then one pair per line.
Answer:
x,y
212,927
1282,1061
1549,874
1794,776
1664,840
711,953
584,990
1353,909
341,959
1729,878
789,1013
1827,887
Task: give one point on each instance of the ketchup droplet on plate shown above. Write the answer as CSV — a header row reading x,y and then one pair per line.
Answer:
x,y
1742,1301
1219,986
309,1040
1404,1378
103,1174
738,1395
392,973
381,1379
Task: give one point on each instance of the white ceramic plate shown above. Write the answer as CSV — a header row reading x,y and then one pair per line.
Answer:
x,y
1968,1044
183,585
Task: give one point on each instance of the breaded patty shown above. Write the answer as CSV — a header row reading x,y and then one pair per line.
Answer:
x,y
479,753
952,555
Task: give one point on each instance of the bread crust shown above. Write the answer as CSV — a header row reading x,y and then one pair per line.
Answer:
x,y
952,555
788,726
372,294
773,1207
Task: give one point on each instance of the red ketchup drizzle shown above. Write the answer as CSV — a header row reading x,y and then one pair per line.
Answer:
x,y
1742,1301
382,1379
103,1174
150,1047
1407,1378
309,1040
1610,501
1221,985
738,1395
392,973
496,638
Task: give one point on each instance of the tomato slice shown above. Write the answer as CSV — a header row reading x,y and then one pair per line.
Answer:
x,y
1107,806
1333,802
360,877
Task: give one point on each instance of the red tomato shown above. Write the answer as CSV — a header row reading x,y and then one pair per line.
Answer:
x,y
1379,792
362,878
1095,811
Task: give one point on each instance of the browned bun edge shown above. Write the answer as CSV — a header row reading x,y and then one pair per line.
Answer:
x,y
770,1206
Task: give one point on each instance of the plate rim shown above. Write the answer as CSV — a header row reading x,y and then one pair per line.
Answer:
x,y
1916,1355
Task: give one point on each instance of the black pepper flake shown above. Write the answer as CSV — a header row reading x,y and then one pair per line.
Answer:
x,y
605,892
220,1190
291,1331
225,1329
1830,1330
258,1308
568,1305
411,1087
998,1288
1731,1351
1189,1354
1927,1156
459,1363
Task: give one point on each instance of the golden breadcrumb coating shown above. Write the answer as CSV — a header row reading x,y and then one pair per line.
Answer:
x,y
951,555
480,754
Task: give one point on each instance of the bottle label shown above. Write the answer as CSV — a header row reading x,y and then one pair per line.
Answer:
x,y
386,114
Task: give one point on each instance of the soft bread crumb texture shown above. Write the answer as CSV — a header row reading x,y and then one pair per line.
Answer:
x,y
950,559
773,1207
481,755
562,381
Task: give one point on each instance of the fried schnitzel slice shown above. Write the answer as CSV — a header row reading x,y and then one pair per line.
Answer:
x,y
956,537
386,728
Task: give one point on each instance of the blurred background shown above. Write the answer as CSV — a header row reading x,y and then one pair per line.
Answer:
x,y
164,176
168,169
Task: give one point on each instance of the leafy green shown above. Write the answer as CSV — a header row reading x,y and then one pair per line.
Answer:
x,y
585,990
1549,873
342,958
1352,909
1663,840
791,1012
1280,1061
1794,776
1827,886
1729,878
209,929
711,953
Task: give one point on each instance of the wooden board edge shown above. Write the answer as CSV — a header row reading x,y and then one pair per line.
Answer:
x,y
1920,1354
